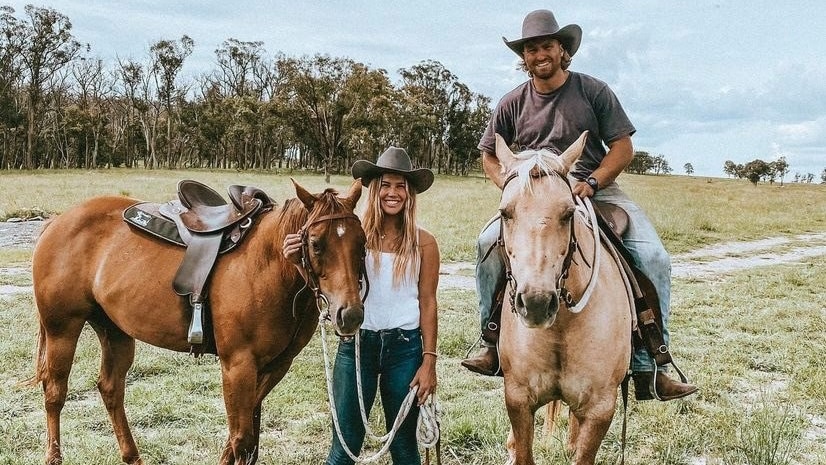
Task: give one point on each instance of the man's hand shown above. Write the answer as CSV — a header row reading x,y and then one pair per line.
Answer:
x,y
581,189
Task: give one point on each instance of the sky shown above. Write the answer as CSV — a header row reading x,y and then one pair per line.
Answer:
x,y
703,81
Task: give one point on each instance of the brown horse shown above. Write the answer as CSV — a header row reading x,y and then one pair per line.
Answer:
x,y
89,266
551,347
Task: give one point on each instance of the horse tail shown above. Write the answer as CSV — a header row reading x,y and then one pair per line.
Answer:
x,y
39,359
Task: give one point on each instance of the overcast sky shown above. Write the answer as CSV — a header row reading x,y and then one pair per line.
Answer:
x,y
703,81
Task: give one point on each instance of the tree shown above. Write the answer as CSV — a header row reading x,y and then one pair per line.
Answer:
x,y
641,163
780,168
47,48
730,168
11,112
239,64
823,176
167,60
689,169
756,170
328,100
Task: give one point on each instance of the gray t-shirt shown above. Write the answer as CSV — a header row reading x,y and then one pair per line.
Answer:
x,y
531,120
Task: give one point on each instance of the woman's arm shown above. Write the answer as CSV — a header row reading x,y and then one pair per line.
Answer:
x,y
428,282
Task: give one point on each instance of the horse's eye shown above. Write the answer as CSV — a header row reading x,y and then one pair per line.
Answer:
x,y
567,215
505,214
316,247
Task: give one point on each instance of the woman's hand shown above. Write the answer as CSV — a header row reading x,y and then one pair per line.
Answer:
x,y
425,379
292,248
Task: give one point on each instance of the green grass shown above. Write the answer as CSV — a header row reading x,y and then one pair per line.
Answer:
x,y
753,341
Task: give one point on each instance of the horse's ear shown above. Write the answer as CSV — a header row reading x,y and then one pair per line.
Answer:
x,y
306,198
572,153
354,194
505,156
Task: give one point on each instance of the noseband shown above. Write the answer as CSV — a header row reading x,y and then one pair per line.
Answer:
x,y
312,277
561,290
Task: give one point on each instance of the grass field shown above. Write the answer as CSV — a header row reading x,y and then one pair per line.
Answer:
x,y
752,340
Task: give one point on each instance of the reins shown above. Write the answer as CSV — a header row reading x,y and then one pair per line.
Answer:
x,y
427,429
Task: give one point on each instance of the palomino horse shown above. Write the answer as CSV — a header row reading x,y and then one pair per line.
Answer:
x,y
89,266
548,352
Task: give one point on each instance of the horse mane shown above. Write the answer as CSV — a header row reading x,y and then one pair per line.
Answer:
x,y
294,214
534,163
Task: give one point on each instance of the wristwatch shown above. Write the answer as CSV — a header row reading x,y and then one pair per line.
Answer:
x,y
591,181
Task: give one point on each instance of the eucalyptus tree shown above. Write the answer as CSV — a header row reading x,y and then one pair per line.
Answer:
x,y
11,111
243,80
47,47
467,116
327,102
239,68
426,90
94,89
168,57
779,167
134,96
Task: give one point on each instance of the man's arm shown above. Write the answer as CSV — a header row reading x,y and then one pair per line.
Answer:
x,y
619,156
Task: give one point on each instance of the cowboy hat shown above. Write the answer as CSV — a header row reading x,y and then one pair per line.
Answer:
x,y
541,23
393,160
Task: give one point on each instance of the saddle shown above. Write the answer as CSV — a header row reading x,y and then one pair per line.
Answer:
x,y
206,225
613,222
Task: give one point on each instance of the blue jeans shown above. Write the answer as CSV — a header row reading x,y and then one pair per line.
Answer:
x,y
389,361
641,240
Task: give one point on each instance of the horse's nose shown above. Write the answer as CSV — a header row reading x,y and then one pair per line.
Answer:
x,y
349,319
537,308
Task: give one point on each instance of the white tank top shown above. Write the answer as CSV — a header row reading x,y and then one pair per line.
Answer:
x,y
387,307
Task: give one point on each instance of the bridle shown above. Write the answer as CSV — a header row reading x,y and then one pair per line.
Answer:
x,y
312,277
562,291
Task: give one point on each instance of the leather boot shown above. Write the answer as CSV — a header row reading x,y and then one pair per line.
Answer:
x,y
667,388
485,362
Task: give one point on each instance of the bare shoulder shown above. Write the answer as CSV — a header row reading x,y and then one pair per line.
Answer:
x,y
427,239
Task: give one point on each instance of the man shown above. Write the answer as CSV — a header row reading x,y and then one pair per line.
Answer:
x,y
551,110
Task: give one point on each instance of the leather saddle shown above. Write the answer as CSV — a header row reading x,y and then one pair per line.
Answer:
x,y
206,225
613,222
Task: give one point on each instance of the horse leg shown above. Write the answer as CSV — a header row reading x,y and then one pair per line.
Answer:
x,y
588,427
240,383
117,355
56,354
520,438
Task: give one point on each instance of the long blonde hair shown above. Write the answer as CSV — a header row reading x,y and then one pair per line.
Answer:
x,y
406,250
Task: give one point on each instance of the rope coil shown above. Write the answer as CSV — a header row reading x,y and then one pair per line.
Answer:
x,y
427,427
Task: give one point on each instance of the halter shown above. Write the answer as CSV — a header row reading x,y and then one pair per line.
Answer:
x,y
573,246
312,277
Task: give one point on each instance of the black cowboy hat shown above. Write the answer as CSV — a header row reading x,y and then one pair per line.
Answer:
x,y
393,160
542,23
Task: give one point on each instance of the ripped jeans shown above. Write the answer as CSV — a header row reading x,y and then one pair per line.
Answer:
x,y
641,240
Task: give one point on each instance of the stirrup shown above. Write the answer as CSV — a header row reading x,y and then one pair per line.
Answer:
x,y
196,327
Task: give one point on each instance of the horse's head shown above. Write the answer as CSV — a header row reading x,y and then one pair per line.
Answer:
x,y
333,255
537,211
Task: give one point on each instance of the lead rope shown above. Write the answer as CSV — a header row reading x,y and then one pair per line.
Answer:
x,y
427,428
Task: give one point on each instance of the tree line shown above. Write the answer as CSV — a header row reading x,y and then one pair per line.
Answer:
x,y
61,107
758,170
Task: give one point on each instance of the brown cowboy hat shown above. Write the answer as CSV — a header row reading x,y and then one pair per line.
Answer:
x,y
541,23
393,160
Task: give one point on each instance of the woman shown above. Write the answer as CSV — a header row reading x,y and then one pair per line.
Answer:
x,y
398,336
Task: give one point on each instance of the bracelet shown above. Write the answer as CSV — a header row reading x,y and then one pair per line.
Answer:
x,y
427,352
